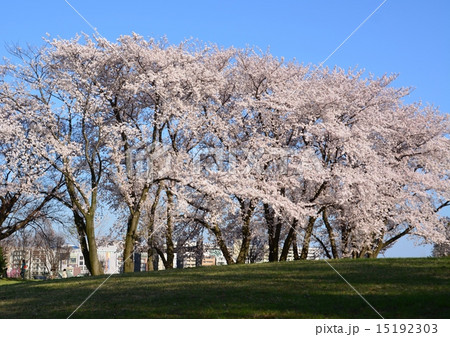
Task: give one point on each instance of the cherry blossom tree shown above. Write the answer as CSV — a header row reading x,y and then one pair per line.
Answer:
x,y
65,118
27,186
238,142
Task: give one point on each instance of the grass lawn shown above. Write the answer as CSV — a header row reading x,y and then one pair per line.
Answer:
x,y
397,288
9,281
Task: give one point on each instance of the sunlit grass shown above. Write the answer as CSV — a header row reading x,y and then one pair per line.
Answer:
x,y
397,288
9,281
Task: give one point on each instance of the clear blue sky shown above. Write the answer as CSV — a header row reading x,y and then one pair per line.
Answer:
x,y
409,37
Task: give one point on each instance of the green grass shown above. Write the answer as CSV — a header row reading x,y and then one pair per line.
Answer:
x,y
397,288
9,281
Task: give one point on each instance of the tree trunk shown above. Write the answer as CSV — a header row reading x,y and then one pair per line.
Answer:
x,y
374,254
334,251
169,242
89,225
307,239
80,225
199,248
223,247
96,268
273,231
246,213
288,241
382,244
377,249
215,229
128,263
324,247
162,256
276,240
150,230
295,247
133,221
345,237
150,259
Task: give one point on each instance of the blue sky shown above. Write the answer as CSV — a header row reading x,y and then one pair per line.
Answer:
x,y
408,37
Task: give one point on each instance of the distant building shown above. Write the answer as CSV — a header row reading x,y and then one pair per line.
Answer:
x,y
110,258
41,262
188,260
209,261
215,252
313,254
38,262
75,264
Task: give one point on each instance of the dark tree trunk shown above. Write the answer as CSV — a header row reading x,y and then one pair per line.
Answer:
x,y
334,251
246,214
128,251
170,251
307,239
215,229
345,237
288,241
150,230
162,256
222,245
151,258
81,231
133,221
199,253
273,231
382,244
295,247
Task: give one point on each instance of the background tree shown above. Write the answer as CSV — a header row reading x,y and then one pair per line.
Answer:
x,y
2,264
27,185
54,246
443,249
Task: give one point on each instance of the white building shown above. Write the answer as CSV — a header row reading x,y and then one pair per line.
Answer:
x,y
110,258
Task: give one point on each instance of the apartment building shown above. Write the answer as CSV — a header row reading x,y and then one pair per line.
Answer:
x,y
42,263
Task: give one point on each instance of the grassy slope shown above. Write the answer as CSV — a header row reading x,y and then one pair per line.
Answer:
x,y
397,288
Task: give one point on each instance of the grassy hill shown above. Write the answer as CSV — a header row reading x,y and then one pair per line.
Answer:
x,y
397,288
